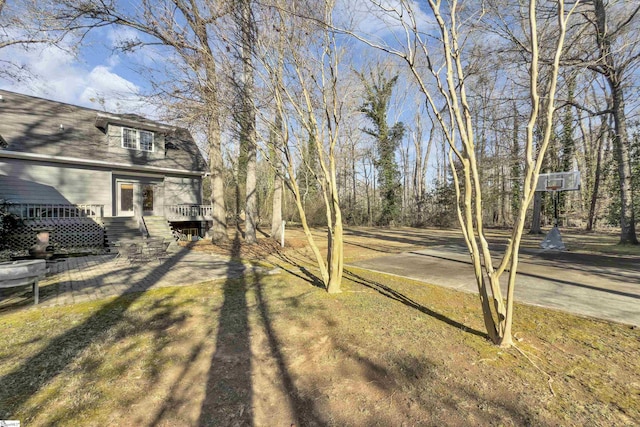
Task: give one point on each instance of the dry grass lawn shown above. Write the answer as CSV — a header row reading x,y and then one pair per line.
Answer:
x,y
278,350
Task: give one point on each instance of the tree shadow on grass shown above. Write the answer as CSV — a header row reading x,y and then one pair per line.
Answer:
x,y
415,238
28,378
302,407
118,359
301,273
427,394
229,393
397,296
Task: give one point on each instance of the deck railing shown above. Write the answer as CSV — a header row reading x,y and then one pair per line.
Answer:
x,y
58,211
177,212
28,211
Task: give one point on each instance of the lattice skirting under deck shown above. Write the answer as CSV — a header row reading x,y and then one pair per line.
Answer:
x,y
67,233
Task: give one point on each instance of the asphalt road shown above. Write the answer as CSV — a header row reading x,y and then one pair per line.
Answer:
x,y
600,286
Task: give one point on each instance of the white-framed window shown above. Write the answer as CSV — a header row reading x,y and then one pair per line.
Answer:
x,y
136,139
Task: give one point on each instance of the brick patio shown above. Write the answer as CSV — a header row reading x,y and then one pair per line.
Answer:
x,y
78,279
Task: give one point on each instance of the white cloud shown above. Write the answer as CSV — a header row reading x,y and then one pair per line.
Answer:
x,y
110,91
57,74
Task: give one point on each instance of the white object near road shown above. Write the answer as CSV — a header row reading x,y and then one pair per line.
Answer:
x,y
553,240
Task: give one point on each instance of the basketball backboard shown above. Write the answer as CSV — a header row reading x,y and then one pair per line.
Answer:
x,y
559,181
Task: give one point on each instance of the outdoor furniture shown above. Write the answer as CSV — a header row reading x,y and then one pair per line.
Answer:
x,y
132,252
124,250
23,273
118,256
157,249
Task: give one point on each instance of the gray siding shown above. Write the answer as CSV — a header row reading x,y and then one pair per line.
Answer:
x,y
179,190
34,182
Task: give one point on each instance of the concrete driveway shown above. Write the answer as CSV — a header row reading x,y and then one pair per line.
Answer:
x,y
605,287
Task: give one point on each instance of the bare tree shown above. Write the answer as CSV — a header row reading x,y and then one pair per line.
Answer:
x,y
246,27
30,23
276,132
277,229
308,102
615,34
420,166
591,153
442,80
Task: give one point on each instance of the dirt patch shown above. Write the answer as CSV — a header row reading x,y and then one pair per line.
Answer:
x,y
237,248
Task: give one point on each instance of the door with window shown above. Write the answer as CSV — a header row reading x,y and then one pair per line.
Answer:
x,y
125,199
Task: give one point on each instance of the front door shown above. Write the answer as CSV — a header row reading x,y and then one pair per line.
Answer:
x,y
125,199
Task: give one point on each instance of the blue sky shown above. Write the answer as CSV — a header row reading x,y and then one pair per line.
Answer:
x,y
102,78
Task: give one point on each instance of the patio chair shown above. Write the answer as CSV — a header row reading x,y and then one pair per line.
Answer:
x,y
157,249
133,252
119,251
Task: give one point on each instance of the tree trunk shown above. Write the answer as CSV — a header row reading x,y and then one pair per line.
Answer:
x,y
367,193
621,149
276,218
248,121
251,205
591,221
218,230
353,180
613,73
535,218
336,256
276,212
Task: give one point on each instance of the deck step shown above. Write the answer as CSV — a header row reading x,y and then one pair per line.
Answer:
x,y
158,226
121,229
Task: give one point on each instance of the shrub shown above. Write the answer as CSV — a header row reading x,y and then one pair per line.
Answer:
x,y
9,223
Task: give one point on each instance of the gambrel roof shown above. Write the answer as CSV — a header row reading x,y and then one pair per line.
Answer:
x,y
54,130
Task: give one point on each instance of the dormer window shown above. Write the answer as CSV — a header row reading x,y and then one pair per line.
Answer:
x,y
136,139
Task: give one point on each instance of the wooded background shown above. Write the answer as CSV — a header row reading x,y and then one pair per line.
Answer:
x,y
391,160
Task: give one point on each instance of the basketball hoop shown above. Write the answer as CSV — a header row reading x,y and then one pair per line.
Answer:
x,y
554,183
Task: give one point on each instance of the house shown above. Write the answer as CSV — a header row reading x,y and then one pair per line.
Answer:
x,y
61,164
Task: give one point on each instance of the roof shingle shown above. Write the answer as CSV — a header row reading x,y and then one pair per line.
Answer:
x,y
40,126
